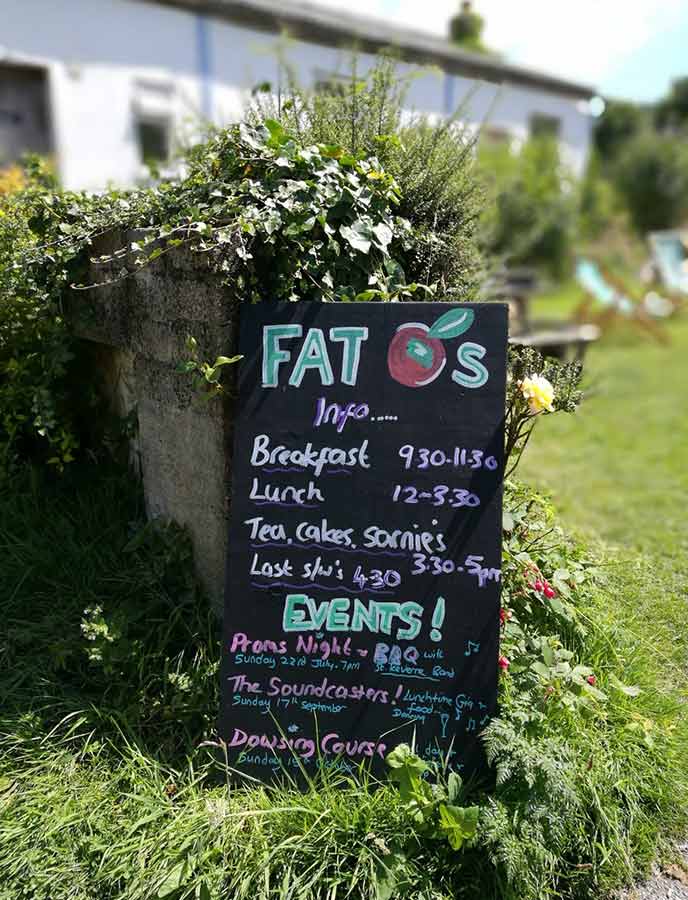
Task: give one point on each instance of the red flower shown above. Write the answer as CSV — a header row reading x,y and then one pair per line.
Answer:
x,y
539,586
503,663
549,592
591,680
504,615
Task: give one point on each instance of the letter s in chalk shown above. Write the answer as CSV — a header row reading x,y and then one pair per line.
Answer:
x,y
469,355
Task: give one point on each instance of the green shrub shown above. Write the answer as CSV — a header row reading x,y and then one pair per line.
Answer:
x,y
620,122
36,353
652,177
440,188
671,113
600,206
534,216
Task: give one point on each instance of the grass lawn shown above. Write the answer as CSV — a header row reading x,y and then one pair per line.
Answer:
x,y
619,466
618,469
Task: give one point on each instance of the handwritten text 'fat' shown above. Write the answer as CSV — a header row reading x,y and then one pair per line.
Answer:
x,y
314,355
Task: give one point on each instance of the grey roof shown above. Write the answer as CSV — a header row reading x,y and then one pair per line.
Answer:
x,y
338,29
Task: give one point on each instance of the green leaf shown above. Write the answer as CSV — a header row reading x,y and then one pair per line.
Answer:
x,y
278,135
557,606
507,521
357,236
389,876
226,360
594,692
173,880
452,324
454,784
547,653
384,234
541,669
402,757
458,823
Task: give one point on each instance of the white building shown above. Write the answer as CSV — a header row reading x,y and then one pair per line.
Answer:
x,y
103,84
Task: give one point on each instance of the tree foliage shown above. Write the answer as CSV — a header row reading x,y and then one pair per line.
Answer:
x,y
671,113
620,122
533,218
652,177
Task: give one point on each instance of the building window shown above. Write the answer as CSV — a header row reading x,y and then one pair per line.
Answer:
x,y
544,126
154,115
24,112
154,139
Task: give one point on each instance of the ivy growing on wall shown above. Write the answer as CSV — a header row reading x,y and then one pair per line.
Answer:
x,y
278,219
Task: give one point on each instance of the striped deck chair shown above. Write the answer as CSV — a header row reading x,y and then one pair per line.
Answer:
x,y
670,256
607,300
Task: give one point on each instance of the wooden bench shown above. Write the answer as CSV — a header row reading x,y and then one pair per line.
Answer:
x,y
567,341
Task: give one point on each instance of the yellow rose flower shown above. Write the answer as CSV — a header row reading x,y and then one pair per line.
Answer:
x,y
538,392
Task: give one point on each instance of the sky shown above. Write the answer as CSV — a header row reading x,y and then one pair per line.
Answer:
x,y
624,48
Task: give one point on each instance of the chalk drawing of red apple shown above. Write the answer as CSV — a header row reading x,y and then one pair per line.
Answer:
x,y
416,355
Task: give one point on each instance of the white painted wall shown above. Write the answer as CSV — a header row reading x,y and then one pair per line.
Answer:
x,y
105,57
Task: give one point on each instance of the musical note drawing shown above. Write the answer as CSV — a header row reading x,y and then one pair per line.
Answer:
x,y
471,647
485,719
444,718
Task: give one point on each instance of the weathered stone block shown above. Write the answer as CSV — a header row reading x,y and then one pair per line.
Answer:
x,y
183,445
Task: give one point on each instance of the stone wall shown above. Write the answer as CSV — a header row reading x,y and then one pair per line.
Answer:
x,y
183,445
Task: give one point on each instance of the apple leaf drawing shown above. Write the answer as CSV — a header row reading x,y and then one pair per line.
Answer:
x,y
452,324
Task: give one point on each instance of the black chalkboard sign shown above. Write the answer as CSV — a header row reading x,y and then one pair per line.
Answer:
x,y
362,601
